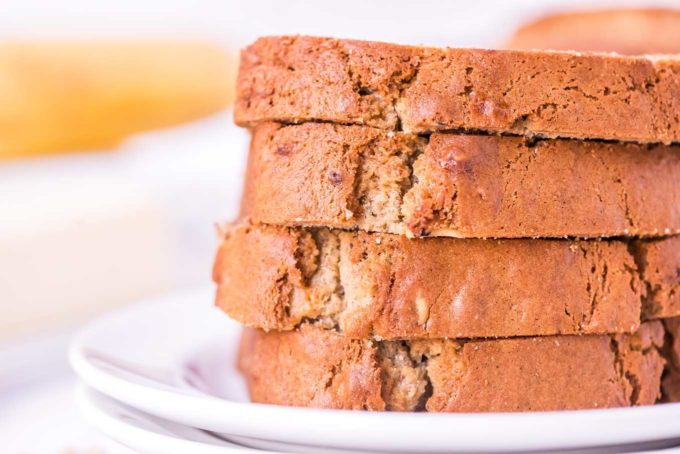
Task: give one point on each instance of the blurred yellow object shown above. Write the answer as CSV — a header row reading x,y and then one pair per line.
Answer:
x,y
75,96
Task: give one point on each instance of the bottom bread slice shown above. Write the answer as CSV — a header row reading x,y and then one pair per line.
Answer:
x,y
312,367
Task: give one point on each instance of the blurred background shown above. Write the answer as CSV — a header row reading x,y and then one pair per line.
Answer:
x,y
118,156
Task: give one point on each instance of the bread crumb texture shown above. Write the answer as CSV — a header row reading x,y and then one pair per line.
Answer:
x,y
474,186
366,285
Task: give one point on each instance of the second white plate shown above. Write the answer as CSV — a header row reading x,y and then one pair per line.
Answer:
x,y
147,434
175,357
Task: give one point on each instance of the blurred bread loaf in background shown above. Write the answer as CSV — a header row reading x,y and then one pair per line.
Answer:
x,y
88,232
625,31
63,96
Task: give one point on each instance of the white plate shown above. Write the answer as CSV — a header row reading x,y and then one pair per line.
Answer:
x,y
147,434
174,358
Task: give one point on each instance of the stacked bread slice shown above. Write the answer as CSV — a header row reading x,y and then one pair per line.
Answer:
x,y
455,229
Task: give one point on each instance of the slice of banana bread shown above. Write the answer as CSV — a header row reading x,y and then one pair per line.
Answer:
x,y
311,367
460,185
389,287
416,89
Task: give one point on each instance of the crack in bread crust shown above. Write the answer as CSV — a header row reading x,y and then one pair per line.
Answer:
x,y
313,367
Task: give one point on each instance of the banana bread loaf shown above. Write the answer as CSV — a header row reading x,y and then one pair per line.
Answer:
x,y
628,31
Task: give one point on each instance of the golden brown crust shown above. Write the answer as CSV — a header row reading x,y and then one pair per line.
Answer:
x,y
460,185
548,94
386,286
625,31
315,368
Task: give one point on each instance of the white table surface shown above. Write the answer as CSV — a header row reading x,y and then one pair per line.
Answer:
x,y
197,170
40,417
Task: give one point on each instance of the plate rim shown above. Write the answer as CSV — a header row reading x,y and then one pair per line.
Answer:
x,y
393,431
135,437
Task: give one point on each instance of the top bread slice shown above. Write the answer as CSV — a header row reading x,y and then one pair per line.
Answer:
x,y
420,90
